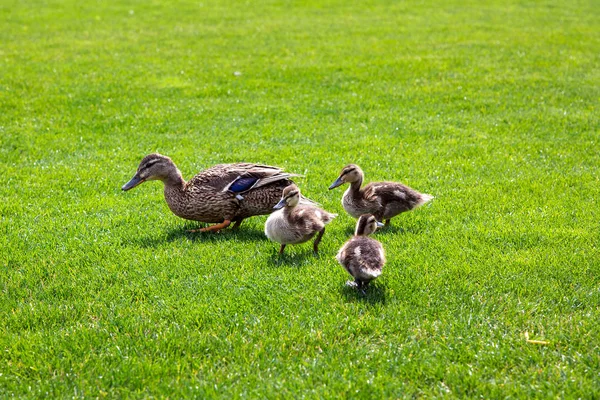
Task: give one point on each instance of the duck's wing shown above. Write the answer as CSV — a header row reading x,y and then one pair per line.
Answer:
x,y
241,177
253,176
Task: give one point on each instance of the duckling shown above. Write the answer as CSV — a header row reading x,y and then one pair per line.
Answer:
x,y
296,223
221,194
362,256
384,200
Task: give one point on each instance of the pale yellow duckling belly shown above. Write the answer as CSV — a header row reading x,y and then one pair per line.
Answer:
x,y
279,230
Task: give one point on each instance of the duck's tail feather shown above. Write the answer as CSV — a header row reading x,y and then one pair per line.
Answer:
x,y
274,178
425,198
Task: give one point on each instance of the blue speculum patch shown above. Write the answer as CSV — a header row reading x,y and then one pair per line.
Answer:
x,y
242,184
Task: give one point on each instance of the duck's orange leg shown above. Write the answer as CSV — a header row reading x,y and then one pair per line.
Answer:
x,y
213,228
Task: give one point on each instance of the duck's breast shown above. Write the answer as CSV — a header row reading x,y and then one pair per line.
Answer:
x,y
278,229
354,205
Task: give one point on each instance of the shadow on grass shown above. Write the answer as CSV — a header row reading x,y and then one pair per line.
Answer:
x,y
243,234
395,226
294,257
374,294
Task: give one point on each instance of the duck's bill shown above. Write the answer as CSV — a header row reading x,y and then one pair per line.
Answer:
x,y
337,183
132,183
380,224
279,205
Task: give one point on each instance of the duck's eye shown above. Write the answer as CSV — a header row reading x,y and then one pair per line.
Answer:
x,y
292,194
348,171
149,164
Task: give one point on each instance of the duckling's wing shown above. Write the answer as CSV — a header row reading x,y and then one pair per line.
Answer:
x,y
363,257
388,192
371,256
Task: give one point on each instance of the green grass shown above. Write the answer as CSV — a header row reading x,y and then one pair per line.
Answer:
x,y
490,106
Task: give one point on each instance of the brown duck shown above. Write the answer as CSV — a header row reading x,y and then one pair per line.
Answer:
x,y
362,256
296,223
384,200
221,194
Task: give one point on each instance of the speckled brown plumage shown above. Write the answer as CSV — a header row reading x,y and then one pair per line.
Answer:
x,y
207,196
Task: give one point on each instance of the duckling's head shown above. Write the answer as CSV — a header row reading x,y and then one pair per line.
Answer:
x,y
366,225
289,198
153,166
350,173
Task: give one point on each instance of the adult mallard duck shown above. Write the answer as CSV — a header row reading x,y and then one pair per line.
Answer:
x,y
362,256
221,194
296,223
384,200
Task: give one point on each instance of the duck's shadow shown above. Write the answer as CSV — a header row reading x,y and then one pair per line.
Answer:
x,y
374,294
244,234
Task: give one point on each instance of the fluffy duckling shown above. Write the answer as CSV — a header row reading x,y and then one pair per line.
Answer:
x,y
362,256
296,222
221,194
384,200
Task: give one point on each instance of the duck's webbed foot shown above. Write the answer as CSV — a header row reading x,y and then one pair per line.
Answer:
x,y
213,228
359,285
352,284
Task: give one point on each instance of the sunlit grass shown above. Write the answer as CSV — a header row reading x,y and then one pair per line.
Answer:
x,y
492,108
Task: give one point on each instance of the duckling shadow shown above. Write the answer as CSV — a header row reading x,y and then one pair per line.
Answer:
x,y
292,259
247,234
374,294
393,228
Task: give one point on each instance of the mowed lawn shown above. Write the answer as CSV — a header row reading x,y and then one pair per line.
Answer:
x,y
491,106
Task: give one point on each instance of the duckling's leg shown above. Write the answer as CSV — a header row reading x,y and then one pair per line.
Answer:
x,y
237,224
387,223
318,240
213,228
361,286
281,249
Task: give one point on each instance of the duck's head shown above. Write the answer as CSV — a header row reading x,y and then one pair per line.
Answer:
x,y
153,167
366,225
289,198
350,173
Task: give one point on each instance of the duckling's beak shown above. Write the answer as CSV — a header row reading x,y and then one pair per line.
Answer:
x,y
380,224
337,183
279,205
132,183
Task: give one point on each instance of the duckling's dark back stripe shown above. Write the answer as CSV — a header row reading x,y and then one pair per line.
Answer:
x,y
362,224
